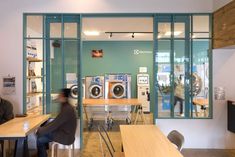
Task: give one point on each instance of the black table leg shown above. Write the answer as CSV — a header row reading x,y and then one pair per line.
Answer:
x,y
21,148
26,149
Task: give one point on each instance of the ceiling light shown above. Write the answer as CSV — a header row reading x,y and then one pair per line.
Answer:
x,y
91,33
111,34
133,35
193,36
159,36
176,33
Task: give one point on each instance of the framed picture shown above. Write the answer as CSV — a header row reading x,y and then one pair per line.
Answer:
x,y
97,53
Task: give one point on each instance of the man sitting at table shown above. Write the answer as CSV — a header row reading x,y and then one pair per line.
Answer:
x,y
62,129
6,111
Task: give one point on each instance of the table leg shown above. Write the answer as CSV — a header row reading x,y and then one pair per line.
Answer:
x,y
141,114
21,148
137,115
133,114
2,148
84,108
195,109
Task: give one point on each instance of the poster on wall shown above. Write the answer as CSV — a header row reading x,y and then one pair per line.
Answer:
x,y
9,86
97,53
219,93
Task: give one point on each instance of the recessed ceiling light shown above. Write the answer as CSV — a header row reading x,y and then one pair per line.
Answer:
x,y
91,33
176,33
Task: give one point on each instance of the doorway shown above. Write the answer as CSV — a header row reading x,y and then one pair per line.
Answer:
x,y
124,44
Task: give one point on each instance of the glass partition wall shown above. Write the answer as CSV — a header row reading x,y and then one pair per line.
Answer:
x,y
50,62
182,66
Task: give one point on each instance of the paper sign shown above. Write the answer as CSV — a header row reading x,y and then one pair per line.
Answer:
x,y
219,93
9,86
71,78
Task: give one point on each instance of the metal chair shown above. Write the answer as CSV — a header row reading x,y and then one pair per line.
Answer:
x,y
108,143
176,138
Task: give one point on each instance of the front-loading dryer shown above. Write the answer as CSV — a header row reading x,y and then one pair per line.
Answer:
x,y
117,86
94,87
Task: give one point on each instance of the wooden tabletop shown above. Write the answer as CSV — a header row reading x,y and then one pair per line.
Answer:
x,y
15,127
115,102
146,141
201,102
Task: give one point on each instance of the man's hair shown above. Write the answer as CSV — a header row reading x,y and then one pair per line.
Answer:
x,y
66,92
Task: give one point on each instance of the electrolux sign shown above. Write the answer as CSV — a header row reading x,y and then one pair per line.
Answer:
x,y
139,52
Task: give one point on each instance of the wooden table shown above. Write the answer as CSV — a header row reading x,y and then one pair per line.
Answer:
x,y
203,103
146,141
14,129
116,102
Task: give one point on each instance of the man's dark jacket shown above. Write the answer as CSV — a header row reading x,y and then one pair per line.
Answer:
x,y
63,127
6,111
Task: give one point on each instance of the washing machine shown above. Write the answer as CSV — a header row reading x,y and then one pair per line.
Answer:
x,y
94,87
118,86
71,82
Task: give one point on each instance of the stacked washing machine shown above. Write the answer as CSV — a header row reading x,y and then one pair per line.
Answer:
x,y
72,84
94,89
110,86
118,86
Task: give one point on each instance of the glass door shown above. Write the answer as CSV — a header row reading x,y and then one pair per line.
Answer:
x,y
171,66
63,46
63,62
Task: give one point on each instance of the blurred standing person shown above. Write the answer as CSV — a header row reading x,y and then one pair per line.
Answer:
x,y
179,95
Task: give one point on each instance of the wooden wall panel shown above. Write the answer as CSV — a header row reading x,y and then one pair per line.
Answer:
x,y
224,26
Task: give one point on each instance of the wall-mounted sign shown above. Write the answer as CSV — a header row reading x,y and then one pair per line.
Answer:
x,y
9,86
137,52
219,93
97,53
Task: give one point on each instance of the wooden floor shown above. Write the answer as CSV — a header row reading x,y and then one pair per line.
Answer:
x,y
185,152
91,145
208,153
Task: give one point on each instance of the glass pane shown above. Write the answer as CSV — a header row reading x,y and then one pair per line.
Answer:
x,y
55,30
201,23
34,73
71,54
70,30
34,26
179,78
200,35
179,30
56,73
164,30
200,78
163,78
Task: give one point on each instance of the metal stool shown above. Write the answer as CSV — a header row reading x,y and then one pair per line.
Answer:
x,y
71,149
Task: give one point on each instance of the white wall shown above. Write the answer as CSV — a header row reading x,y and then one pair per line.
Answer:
x,y
211,133
220,3
11,16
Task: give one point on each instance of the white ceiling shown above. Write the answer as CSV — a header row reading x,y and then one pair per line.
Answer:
x,y
115,24
103,25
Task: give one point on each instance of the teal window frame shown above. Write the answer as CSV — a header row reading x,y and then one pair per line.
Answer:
x,y
188,47
79,72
